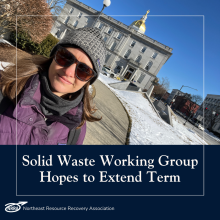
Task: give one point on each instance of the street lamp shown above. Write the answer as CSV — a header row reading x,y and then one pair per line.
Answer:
x,y
174,99
106,3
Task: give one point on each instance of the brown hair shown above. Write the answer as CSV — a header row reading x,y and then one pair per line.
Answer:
x,y
27,66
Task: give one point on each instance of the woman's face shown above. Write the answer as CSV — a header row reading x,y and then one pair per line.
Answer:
x,y
63,80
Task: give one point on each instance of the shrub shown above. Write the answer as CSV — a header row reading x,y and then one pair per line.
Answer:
x,y
24,42
47,44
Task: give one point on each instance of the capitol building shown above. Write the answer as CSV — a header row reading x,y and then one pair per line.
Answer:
x,y
130,53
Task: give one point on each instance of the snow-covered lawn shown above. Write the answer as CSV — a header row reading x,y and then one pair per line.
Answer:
x,y
147,128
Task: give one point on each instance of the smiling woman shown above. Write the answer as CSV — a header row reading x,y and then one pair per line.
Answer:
x,y
50,98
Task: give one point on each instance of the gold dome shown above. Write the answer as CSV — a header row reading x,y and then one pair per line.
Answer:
x,y
140,24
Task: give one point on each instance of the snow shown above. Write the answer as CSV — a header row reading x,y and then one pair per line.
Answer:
x,y
90,89
147,128
5,42
212,135
3,64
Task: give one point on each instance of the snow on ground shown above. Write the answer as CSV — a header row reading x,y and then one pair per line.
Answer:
x,y
147,128
3,64
90,89
212,135
5,42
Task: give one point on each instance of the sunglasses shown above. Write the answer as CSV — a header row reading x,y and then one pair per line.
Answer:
x,y
65,59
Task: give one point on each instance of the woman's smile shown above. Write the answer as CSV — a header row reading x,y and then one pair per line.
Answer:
x,y
62,79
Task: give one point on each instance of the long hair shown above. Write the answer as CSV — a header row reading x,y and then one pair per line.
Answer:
x,y
29,65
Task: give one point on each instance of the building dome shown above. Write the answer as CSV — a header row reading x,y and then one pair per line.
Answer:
x,y
139,25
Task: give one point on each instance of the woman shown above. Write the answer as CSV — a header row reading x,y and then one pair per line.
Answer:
x,y
50,97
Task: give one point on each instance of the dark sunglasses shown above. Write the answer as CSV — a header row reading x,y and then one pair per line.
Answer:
x,y
65,59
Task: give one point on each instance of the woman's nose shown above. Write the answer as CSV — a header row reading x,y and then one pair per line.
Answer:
x,y
70,71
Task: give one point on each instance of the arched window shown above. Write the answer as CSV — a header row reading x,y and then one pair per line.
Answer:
x,y
149,65
154,55
143,49
79,15
75,24
67,19
71,10
119,36
110,30
113,46
58,33
133,43
127,54
105,38
138,59
101,25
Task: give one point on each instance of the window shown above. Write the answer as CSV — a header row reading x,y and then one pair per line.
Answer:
x,y
113,46
110,30
118,69
140,79
75,23
79,15
154,55
71,10
105,39
101,26
149,65
127,54
119,36
67,19
107,57
138,59
143,49
58,33
133,43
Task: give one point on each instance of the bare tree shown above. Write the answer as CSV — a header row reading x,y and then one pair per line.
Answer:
x,y
38,27
197,99
162,87
56,6
165,83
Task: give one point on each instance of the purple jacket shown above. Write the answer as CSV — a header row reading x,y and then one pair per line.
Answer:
x,y
31,127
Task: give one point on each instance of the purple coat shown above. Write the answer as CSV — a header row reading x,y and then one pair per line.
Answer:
x,y
31,127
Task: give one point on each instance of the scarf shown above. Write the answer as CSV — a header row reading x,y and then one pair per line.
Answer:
x,y
58,109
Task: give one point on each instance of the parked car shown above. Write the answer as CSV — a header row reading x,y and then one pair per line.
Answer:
x,y
108,72
199,126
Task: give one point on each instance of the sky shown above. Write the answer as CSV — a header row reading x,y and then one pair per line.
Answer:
x,y
189,36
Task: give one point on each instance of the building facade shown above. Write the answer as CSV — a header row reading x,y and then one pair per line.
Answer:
x,y
211,109
130,53
165,96
174,94
186,106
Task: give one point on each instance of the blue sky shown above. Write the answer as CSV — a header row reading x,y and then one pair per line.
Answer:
x,y
182,33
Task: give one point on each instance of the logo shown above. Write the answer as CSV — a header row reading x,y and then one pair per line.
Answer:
x,y
14,207
98,63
